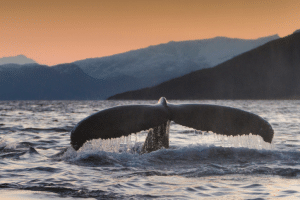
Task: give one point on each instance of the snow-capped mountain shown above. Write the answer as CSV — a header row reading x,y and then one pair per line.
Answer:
x,y
270,71
155,64
20,59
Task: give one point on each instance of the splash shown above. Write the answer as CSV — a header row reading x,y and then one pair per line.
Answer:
x,y
11,145
134,142
2,143
7,145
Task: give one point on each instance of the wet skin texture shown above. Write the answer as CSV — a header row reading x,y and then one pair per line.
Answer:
x,y
125,120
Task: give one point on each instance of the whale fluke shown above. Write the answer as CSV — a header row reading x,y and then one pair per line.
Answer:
x,y
118,121
125,120
221,120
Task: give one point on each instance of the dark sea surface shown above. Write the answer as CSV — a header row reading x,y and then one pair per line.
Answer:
x,y
36,157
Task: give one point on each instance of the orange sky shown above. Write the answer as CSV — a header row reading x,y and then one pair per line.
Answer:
x,y
60,31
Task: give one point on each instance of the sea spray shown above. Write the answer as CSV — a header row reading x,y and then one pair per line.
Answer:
x,y
2,143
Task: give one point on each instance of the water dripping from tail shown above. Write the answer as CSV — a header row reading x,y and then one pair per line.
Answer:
x,y
248,141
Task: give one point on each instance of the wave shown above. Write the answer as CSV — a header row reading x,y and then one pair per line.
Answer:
x,y
195,160
63,191
37,130
192,160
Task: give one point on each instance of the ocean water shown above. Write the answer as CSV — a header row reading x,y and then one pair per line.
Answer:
x,y
36,158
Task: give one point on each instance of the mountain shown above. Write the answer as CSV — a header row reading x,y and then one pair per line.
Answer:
x,y
156,64
270,71
60,82
38,82
20,59
116,74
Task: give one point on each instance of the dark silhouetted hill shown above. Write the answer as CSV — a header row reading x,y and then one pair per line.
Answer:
x,y
37,82
270,71
61,82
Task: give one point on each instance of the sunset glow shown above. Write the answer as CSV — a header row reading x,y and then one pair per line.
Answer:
x,y
60,31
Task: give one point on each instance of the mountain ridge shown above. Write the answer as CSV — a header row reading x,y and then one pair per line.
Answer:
x,y
266,72
40,82
158,63
69,81
19,59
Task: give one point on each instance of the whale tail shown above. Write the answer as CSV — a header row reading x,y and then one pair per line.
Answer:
x,y
125,120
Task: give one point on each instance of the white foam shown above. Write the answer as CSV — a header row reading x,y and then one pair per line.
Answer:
x,y
2,142
11,145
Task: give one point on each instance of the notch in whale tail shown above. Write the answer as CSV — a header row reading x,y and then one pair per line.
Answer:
x,y
163,101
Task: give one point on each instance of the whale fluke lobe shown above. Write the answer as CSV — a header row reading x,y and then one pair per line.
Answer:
x,y
221,120
117,122
125,120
